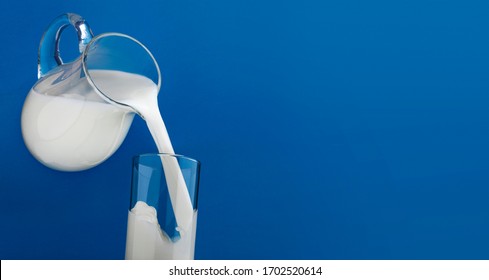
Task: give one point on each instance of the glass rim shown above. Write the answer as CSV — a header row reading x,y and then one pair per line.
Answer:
x,y
89,77
167,155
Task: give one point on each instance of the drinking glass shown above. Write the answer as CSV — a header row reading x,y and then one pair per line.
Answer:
x,y
152,230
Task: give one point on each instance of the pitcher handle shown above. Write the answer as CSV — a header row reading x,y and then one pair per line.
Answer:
x,y
48,57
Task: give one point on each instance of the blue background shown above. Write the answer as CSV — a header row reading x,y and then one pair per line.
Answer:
x,y
326,129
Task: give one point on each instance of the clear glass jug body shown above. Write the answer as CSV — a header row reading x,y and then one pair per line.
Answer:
x,y
71,120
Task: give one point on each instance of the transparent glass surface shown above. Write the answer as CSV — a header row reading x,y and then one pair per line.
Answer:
x,y
152,231
118,52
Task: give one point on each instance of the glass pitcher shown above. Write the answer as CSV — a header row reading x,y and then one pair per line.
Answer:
x,y
72,118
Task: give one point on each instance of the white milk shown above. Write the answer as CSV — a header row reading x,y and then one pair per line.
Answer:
x,y
72,129
146,240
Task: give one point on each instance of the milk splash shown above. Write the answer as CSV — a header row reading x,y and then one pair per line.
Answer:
x,y
146,240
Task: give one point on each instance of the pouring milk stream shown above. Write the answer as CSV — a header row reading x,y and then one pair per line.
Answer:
x,y
141,94
78,113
